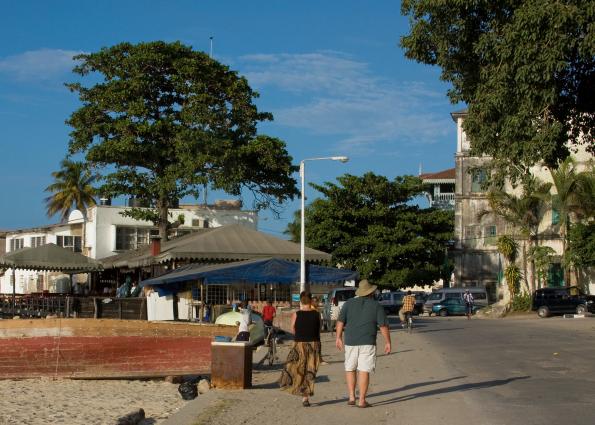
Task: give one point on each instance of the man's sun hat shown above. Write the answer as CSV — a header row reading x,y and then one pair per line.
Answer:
x,y
365,288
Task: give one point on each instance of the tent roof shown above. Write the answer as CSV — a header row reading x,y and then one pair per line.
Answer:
x,y
232,242
261,270
49,257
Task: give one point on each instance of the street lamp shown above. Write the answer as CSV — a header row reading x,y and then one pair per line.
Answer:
x,y
303,217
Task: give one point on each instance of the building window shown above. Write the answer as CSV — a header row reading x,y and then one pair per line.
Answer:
x,y
16,244
555,217
216,294
70,242
489,235
478,179
37,241
128,238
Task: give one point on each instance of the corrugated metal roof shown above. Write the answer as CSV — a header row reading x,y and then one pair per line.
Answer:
x,y
233,242
49,257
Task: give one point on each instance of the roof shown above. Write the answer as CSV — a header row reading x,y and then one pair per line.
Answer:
x,y
440,175
227,243
458,114
49,257
260,270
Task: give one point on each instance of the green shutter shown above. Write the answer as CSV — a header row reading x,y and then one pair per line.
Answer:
x,y
555,276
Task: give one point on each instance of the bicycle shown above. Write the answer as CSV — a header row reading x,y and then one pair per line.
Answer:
x,y
271,342
409,321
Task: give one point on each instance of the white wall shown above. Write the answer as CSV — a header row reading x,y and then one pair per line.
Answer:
x,y
103,220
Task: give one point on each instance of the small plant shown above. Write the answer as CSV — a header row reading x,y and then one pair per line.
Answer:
x,y
513,277
521,302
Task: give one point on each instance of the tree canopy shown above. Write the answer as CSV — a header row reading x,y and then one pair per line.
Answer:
x,y
526,70
367,223
164,121
72,189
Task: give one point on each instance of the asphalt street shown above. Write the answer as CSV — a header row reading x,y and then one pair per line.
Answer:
x,y
532,371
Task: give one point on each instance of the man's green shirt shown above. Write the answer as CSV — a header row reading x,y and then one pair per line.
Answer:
x,y
361,317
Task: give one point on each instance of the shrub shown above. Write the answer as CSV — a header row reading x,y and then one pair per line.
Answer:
x,y
521,302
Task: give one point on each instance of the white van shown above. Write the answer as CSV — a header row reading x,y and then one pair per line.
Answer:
x,y
332,305
480,297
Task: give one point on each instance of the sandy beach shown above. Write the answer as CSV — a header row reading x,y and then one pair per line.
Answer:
x,y
80,402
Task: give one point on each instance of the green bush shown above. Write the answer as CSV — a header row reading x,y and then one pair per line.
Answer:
x,y
521,302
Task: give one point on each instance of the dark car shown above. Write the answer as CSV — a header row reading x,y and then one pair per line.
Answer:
x,y
451,307
548,301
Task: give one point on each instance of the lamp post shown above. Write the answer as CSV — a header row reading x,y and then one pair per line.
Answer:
x,y
303,216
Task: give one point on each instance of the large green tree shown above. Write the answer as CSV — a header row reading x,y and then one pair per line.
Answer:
x,y
525,68
165,121
368,223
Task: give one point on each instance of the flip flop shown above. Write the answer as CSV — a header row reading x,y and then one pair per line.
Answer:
x,y
351,403
363,406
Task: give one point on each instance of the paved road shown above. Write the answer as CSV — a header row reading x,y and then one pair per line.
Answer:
x,y
449,371
539,371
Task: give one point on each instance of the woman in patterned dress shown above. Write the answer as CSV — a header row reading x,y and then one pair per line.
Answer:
x,y
299,373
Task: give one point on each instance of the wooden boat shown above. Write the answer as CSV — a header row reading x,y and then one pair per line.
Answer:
x,y
105,348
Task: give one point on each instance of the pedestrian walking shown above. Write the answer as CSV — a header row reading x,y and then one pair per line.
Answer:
x,y
468,298
245,323
359,320
299,373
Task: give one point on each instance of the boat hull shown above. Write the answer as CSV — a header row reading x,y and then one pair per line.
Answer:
x,y
102,349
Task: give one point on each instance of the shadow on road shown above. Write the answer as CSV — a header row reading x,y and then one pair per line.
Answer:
x,y
456,388
403,388
440,330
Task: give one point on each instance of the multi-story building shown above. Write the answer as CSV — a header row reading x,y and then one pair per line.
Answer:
x,y
477,261
105,232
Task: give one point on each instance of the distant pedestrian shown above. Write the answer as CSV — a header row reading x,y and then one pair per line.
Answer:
x,y
468,298
359,318
299,372
244,323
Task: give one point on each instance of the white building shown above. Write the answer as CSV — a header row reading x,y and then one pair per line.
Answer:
x,y
107,232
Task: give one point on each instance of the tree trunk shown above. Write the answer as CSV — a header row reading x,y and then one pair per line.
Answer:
x,y
525,265
563,233
532,265
163,207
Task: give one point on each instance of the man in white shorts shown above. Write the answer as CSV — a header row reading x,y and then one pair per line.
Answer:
x,y
360,317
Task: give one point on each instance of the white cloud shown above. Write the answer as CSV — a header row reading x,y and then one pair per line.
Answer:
x,y
333,94
38,65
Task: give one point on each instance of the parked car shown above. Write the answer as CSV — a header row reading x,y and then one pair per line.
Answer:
x,y
452,307
480,297
332,305
548,301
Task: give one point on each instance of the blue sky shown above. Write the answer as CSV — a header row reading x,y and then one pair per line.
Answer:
x,y
331,73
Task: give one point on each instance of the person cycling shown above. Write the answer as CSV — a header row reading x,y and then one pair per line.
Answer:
x,y
268,315
407,307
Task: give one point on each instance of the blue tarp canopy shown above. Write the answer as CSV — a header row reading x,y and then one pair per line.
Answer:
x,y
262,270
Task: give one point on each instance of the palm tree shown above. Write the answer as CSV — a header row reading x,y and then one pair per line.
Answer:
x,y
524,213
72,189
566,201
